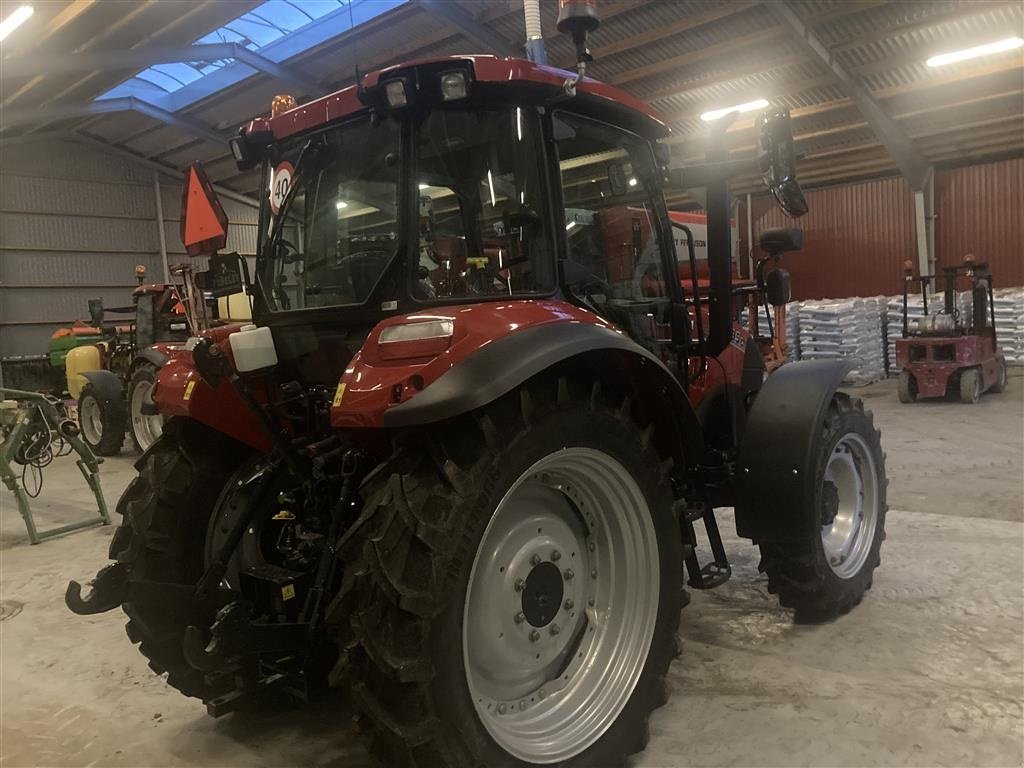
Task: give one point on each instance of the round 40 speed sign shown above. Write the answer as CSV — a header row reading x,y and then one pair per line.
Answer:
x,y
280,183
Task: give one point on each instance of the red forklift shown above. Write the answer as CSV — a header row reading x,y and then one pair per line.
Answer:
x,y
950,350
455,465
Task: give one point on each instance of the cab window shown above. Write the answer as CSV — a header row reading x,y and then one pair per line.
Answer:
x,y
482,229
613,261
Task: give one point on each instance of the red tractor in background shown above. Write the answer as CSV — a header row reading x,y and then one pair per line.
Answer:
x,y
111,370
945,350
456,464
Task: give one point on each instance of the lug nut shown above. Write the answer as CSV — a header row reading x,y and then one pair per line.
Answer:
x,y
522,704
520,617
591,546
569,604
534,559
520,585
556,555
555,629
534,636
593,573
568,574
590,602
502,709
542,693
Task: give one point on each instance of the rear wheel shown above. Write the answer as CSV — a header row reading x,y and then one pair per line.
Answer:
x,y
829,574
165,513
518,587
970,386
102,421
907,387
145,427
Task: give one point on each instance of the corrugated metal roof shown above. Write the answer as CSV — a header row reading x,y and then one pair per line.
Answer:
x,y
686,56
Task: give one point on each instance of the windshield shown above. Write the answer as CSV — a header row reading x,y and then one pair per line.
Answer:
x,y
482,224
339,193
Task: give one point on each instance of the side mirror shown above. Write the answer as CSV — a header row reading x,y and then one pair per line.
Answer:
x,y
204,225
96,312
777,287
777,161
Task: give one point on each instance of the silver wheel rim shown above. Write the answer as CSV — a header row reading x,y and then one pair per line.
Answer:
x,y
145,428
547,690
847,539
90,420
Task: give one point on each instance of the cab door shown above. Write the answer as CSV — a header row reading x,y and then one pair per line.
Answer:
x,y
619,261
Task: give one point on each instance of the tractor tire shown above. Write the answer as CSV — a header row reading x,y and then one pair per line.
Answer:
x,y
970,386
144,428
907,387
102,421
826,576
165,512
478,538
1001,379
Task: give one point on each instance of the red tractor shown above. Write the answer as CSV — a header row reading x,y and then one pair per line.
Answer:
x,y
455,465
945,350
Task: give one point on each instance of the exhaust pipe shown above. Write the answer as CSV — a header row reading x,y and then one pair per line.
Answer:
x,y
535,50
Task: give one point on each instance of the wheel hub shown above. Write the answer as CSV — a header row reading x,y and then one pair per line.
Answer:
x,y
542,594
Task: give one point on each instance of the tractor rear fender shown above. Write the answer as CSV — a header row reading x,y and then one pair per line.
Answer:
x,y
107,385
776,490
503,365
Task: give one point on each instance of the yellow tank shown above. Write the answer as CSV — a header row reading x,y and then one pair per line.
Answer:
x,y
79,360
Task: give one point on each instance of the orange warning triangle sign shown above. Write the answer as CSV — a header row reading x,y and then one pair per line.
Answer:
x,y
204,225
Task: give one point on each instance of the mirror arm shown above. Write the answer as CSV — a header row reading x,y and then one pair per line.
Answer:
x,y
702,174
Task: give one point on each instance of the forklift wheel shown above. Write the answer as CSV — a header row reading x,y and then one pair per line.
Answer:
x,y
1000,385
907,387
970,386
102,421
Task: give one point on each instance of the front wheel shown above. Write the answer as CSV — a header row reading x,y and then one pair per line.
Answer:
x,y
1001,379
907,387
970,386
828,574
101,421
146,424
518,588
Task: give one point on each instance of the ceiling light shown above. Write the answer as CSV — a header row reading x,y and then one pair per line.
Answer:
x,y
424,186
570,225
999,46
749,106
341,204
632,182
17,17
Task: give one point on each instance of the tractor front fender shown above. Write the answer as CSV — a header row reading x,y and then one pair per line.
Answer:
x,y
776,490
107,385
499,367
152,355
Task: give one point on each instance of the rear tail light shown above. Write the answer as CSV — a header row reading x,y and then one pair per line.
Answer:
x,y
431,329
417,339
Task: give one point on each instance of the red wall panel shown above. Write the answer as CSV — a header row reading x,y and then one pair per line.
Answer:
x,y
856,238
980,210
859,235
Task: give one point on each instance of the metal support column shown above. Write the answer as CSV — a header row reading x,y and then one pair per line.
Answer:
x,y
160,226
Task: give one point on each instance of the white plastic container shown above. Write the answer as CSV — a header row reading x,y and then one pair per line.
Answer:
x,y
253,348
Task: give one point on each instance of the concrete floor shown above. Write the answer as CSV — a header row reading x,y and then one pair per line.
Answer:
x,y
927,671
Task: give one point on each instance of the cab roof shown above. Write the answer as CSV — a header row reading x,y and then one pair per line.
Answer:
x,y
489,69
